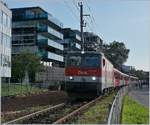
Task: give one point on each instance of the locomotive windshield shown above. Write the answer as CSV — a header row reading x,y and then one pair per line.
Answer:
x,y
83,60
74,61
91,61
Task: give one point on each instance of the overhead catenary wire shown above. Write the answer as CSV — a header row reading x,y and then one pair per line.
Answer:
x,y
93,21
71,10
86,20
92,14
76,6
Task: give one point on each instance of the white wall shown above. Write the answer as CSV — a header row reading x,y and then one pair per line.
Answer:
x,y
5,49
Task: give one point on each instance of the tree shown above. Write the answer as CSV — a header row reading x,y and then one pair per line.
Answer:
x,y
116,52
140,74
25,62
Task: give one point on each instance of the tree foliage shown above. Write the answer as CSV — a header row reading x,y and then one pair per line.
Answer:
x,y
116,52
23,62
140,74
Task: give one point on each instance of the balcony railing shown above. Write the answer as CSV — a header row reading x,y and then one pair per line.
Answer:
x,y
55,33
55,45
45,42
45,28
56,57
78,37
78,46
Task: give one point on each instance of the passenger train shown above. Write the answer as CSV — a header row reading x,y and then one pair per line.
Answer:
x,y
91,73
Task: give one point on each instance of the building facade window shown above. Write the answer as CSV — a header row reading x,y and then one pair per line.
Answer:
x,y
5,41
8,22
4,19
1,17
6,61
0,59
0,38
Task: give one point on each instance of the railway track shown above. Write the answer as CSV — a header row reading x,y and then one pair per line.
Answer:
x,y
48,115
58,114
76,112
53,115
32,115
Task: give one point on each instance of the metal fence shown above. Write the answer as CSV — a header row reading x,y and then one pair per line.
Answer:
x,y
50,78
51,74
115,111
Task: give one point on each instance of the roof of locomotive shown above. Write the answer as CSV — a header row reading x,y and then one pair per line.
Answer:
x,y
85,52
127,75
90,52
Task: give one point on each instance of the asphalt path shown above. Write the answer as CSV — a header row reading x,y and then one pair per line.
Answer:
x,y
141,95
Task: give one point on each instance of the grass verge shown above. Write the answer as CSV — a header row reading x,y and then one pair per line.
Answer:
x,y
134,113
97,114
18,89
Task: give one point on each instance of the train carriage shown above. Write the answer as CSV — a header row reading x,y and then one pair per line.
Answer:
x,y
117,77
126,79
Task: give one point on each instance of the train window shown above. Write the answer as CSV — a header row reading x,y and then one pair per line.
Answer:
x,y
103,62
91,61
74,61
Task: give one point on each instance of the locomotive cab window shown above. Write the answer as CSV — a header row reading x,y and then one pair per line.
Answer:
x,y
103,62
91,61
74,61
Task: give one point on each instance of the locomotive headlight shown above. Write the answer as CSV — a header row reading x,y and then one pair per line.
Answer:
x,y
71,78
93,78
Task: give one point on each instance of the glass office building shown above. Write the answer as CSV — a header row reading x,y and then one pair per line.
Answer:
x,y
72,40
37,31
5,41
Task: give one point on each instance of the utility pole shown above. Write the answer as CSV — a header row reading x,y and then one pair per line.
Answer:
x,y
82,24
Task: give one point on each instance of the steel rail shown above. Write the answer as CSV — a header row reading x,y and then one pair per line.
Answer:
x,y
65,118
34,114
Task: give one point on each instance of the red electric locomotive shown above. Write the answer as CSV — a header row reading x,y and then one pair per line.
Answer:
x,y
91,73
88,72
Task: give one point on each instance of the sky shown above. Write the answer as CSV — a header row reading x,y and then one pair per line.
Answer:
x,y
125,21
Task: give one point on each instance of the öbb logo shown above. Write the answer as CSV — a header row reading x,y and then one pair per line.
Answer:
x,y
82,73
